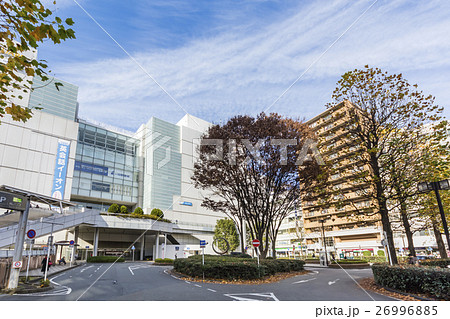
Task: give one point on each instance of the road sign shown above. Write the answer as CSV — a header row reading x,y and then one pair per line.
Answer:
x,y
12,201
202,243
17,264
31,233
256,243
133,248
72,242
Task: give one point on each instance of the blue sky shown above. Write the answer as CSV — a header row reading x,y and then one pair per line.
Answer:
x,y
222,58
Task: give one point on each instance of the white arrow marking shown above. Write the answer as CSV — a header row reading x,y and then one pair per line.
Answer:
x,y
264,295
212,290
302,281
332,282
315,271
129,268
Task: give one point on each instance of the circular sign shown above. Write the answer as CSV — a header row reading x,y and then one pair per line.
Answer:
x,y
17,264
31,233
71,242
255,243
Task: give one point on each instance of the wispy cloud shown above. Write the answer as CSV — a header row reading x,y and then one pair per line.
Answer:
x,y
244,69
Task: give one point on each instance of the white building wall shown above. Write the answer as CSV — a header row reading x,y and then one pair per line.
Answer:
x,y
28,152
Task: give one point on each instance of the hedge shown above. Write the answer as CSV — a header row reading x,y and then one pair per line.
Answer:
x,y
350,261
443,263
164,260
104,259
412,279
220,267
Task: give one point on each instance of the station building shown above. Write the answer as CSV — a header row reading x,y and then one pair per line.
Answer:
x,y
92,165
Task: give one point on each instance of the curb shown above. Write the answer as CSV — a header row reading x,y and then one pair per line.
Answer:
x,y
407,294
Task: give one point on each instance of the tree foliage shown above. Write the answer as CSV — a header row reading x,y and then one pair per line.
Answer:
x,y
253,179
387,113
225,228
123,209
138,211
114,208
157,212
24,25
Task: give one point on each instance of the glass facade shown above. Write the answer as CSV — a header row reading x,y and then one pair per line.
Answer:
x,y
105,166
163,164
61,102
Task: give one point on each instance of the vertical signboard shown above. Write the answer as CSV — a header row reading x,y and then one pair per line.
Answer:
x,y
62,160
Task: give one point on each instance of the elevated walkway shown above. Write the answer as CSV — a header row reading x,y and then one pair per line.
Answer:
x,y
92,218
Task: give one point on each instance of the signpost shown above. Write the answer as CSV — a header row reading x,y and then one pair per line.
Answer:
x,y
72,247
30,234
22,204
133,248
202,246
256,244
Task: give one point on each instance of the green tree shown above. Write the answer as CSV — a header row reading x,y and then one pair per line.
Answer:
x,y
114,208
157,212
138,211
24,24
123,209
381,106
225,228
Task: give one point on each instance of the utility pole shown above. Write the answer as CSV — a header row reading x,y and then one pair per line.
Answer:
x,y
322,221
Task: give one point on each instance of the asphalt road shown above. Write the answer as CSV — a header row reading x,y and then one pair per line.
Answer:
x,y
144,281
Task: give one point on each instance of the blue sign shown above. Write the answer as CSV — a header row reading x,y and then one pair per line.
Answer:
x,y
101,187
31,233
59,177
177,248
186,203
202,243
71,242
91,168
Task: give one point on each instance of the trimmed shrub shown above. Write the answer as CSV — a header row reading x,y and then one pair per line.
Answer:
x,y
381,253
114,208
366,253
123,209
350,261
164,260
239,255
442,263
412,279
230,268
104,259
138,211
157,212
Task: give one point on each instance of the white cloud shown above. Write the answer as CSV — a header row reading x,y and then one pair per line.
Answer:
x,y
244,72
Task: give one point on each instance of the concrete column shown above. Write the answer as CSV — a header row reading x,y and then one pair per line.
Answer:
x,y
142,247
157,247
18,248
75,239
96,235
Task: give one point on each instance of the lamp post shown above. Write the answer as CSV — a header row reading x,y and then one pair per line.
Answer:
x,y
426,187
49,245
322,221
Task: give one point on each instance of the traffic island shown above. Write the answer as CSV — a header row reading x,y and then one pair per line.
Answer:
x,y
229,269
29,287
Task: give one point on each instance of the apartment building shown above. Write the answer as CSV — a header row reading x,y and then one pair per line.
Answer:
x,y
347,220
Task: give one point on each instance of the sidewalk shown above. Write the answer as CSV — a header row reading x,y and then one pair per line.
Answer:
x,y
54,269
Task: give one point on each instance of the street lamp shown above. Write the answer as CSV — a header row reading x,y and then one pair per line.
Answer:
x,y
426,187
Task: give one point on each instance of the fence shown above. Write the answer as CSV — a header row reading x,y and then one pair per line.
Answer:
x,y
5,266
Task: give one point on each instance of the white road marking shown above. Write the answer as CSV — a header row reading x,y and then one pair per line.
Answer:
x,y
131,268
86,268
63,290
90,275
315,271
197,286
212,290
173,276
187,282
332,282
302,281
239,297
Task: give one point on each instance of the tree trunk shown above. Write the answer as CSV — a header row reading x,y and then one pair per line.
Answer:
x,y
408,232
384,213
437,235
241,235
